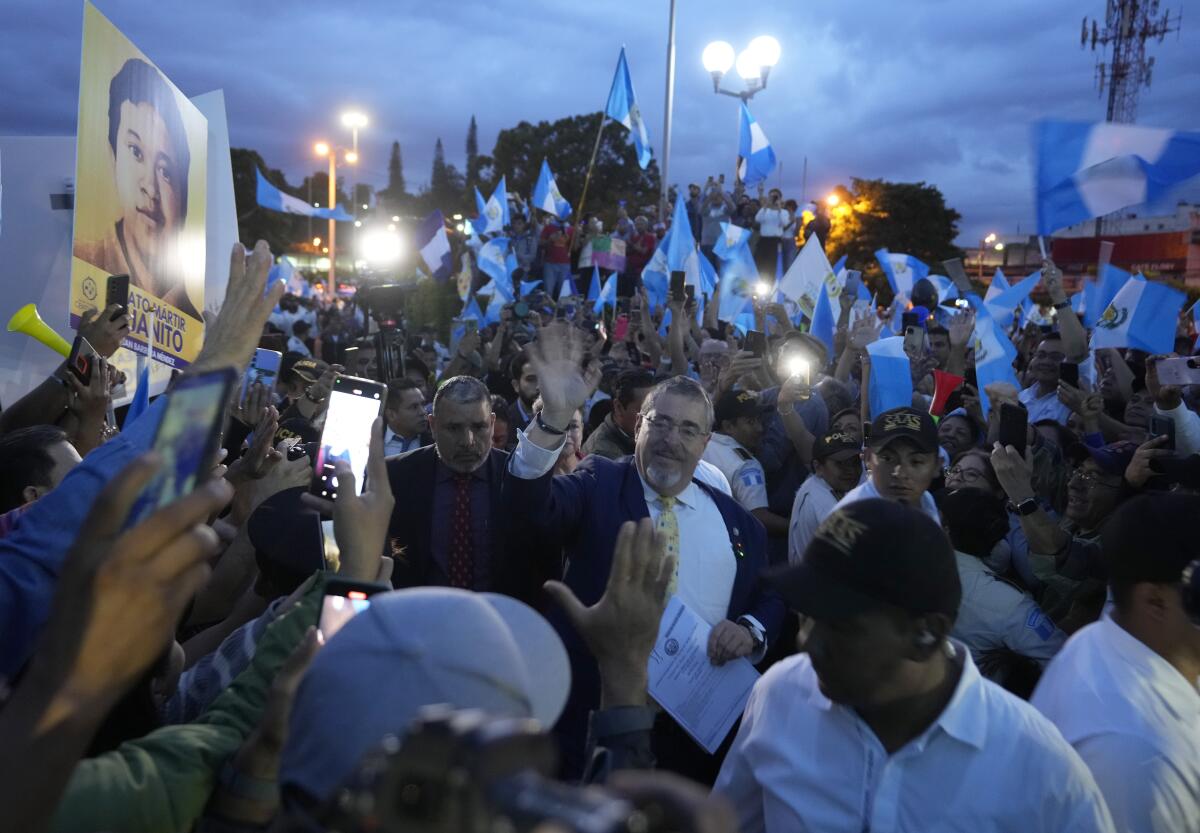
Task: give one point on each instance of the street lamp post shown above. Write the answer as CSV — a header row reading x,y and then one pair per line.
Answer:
x,y
753,64
983,244
354,121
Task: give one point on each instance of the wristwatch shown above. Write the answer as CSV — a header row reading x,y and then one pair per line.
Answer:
x,y
542,424
1026,507
1062,305
756,633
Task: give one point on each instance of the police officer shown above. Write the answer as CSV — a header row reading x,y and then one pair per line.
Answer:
x,y
1008,635
737,434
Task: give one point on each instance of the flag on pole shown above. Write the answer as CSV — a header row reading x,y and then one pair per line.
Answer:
x,y
1098,294
823,321
891,377
272,199
1088,170
471,310
994,354
1003,303
731,243
1143,315
903,271
594,284
493,261
622,108
547,197
434,246
805,277
567,289
756,157
608,295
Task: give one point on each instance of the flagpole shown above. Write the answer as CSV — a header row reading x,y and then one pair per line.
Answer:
x,y
592,164
670,98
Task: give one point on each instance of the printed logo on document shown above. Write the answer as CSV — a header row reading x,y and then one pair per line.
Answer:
x,y
671,647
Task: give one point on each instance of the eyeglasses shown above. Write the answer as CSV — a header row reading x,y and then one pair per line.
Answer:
x,y
969,475
1091,481
662,425
1054,357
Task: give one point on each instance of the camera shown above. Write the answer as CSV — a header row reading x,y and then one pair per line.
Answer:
x,y
466,772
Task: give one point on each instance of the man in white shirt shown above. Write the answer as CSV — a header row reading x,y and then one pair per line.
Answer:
x,y
902,460
407,425
737,435
837,468
1125,691
884,724
1041,398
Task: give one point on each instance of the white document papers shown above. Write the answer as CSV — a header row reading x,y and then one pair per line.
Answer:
x,y
704,699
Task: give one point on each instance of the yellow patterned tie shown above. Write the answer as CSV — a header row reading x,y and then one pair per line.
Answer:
x,y
667,526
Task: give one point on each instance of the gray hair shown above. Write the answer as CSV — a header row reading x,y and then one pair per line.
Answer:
x,y
686,387
462,390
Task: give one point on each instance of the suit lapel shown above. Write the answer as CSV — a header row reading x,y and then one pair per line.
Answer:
x,y
633,496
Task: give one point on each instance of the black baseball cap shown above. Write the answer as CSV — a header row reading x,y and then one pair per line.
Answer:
x,y
836,443
287,534
872,554
909,424
735,404
1151,538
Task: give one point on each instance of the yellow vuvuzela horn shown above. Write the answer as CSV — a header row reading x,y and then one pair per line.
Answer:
x,y
26,320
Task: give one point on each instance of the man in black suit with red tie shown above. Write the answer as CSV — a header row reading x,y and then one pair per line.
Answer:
x,y
448,527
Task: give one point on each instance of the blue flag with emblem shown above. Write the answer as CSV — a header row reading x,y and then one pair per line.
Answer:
x,y
891,377
756,157
1098,294
902,271
493,261
272,199
1087,170
994,353
622,108
1143,315
547,197
734,240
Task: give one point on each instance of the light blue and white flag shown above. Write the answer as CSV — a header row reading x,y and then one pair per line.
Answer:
x,y
594,284
734,240
808,273
708,278
493,259
891,376
567,289
1143,315
471,310
434,246
493,213
946,290
1088,170
1002,304
994,354
492,314
607,296
528,286
272,199
756,157
676,252
903,271
547,197
1098,294
823,321
622,107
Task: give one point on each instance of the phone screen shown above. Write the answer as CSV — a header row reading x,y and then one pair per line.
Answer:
x,y
187,438
677,285
264,367
756,343
1014,427
1069,373
621,327
336,611
353,405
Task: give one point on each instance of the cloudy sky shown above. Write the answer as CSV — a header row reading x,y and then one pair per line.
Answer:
x,y
935,90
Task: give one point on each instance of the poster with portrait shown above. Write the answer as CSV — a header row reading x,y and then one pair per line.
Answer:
x,y
140,195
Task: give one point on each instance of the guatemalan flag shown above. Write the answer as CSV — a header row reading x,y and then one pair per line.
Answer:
x,y
1143,315
495,211
732,242
756,157
891,376
608,295
272,199
434,246
1088,170
547,197
493,261
622,107
903,271
994,353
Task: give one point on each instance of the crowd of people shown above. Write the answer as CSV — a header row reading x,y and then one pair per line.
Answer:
x,y
953,632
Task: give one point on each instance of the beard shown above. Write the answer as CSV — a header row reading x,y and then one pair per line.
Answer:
x,y
664,475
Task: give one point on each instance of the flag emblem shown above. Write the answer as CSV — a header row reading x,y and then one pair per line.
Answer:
x,y
1113,317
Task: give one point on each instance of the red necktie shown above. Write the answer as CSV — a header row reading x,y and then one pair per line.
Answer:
x,y
462,555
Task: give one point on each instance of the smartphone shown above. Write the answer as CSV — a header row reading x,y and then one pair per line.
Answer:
x,y
264,367
756,343
353,405
957,274
1106,365
690,292
471,325
677,285
1069,373
1179,372
909,319
82,360
343,600
273,341
914,340
1161,426
117,292
853,282
187,439
1014,427
620,327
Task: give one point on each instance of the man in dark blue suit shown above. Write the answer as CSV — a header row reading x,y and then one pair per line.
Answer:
x,y
448,526
721,548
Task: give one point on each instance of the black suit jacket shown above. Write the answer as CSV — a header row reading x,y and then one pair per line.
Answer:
x,y
518,567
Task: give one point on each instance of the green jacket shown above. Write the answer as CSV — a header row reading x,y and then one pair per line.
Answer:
x,y
161,783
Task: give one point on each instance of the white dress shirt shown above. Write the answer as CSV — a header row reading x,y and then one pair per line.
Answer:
x,y
866,490
394,444
1044,407
989,764
771,221
1135,721
814,503
707,564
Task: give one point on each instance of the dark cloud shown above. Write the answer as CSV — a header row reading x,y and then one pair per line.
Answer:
x,y
930,90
